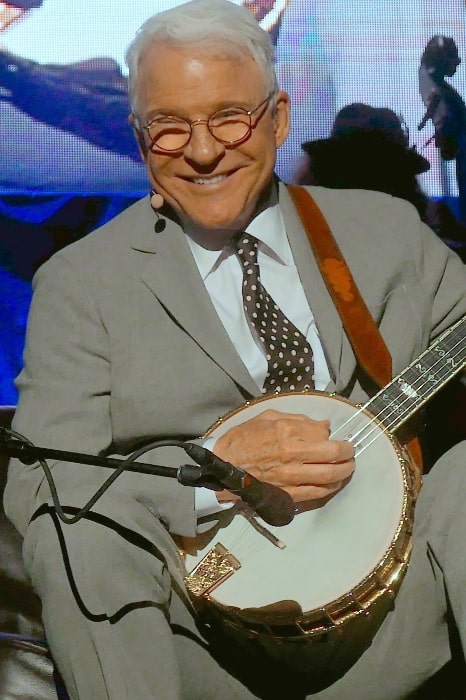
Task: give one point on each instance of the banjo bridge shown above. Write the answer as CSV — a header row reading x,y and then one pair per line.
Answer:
x,y
217,565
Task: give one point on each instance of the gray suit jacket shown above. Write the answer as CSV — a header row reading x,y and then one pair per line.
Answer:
x,y
124,345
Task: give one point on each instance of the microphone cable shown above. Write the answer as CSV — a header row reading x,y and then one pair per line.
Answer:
x,y
103,488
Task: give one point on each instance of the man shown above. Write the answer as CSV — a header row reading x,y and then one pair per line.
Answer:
x,y
139,332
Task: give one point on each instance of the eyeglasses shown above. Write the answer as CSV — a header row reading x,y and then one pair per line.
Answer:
x,y
228,126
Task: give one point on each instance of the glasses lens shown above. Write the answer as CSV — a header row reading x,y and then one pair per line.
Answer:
x,y
230,126
169,134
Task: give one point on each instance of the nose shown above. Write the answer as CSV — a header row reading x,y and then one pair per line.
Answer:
x,y
203,148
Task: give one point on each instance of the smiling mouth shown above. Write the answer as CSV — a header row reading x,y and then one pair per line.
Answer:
x,y
208,180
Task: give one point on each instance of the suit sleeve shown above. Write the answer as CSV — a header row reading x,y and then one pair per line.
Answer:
x,y
64,404
443,277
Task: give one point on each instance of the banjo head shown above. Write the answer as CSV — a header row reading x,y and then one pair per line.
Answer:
x,y
334,563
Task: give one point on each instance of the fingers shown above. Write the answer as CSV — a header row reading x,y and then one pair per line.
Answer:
x,y
316,451
273,415
275,437
312,493
293,423
291,451
306,482
299,474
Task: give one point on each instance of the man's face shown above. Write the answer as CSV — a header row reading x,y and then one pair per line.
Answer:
x,y
210,185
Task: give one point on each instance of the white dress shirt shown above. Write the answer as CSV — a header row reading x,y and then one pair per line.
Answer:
x,y
221,272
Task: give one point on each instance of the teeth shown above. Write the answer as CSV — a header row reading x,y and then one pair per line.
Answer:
x,y
208,180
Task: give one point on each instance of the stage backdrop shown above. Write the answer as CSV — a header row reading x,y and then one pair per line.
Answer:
x,y
68,158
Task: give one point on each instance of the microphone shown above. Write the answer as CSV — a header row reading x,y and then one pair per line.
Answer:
x,y
160,224
156,202
272,504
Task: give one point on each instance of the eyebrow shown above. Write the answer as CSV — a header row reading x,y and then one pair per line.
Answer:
x,y
225,104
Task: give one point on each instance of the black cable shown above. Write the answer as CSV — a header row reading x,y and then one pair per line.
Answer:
x,y
102,489
57,512
127,534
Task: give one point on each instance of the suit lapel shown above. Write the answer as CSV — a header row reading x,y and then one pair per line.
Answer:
x,y
173,277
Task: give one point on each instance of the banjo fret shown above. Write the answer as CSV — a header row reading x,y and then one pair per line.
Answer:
x,y
413,387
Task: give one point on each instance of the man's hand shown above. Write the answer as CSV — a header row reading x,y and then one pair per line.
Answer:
x,y
291,451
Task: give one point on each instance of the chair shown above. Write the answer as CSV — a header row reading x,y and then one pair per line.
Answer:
x,y
26,668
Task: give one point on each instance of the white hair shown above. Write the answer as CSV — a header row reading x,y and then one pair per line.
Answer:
x,y
215,21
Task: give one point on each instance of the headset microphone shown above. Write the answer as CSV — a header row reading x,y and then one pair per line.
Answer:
x,y
156,202
160,224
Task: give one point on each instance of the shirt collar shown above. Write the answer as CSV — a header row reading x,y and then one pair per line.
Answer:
x,y
268,227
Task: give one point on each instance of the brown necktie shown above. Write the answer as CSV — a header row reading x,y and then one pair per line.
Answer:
x,y
289,355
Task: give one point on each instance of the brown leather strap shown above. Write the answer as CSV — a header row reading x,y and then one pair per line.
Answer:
x,y
361,329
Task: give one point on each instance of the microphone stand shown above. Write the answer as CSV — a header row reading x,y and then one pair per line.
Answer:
x,y
271,503
188,475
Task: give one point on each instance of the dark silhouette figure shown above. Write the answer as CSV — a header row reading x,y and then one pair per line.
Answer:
x,y
445,107
368,148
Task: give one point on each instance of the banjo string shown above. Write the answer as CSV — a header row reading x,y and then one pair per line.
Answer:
x,y
390,415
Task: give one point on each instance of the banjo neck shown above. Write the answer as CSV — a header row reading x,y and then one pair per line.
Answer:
x,y
413,387
332,576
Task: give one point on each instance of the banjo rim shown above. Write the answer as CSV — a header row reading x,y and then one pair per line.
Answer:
x,y
375,592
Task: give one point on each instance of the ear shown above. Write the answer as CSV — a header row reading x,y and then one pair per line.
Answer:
x,y
282,117
138,135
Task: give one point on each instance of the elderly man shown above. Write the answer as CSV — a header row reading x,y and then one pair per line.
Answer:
x,y
148,329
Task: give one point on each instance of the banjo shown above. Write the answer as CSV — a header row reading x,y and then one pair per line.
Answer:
x,y
332,573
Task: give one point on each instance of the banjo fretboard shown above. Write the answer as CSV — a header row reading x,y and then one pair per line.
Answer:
x,y
411,389
415,385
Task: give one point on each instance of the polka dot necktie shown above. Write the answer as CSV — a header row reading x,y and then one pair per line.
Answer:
x,y
288,354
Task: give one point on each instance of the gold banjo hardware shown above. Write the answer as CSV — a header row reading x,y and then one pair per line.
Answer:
x,y
235,588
